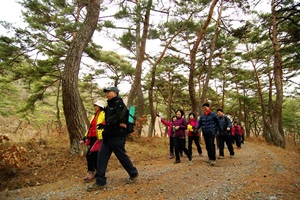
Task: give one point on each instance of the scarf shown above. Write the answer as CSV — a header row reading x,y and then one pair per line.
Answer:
x,y
207,112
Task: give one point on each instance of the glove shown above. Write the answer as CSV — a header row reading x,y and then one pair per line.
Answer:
x,y
101,125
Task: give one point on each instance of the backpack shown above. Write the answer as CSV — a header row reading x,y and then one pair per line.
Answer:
x,y
131,119
130,122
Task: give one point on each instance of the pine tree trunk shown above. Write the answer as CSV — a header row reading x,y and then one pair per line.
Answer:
x,y
277,133
74,111
192,92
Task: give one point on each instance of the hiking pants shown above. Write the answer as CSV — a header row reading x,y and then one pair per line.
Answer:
x,y
116,145
91,158
237,139
196,139
209,140
180,146
225,138
171,139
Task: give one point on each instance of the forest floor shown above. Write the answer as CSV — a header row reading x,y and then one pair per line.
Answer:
x,y
257,171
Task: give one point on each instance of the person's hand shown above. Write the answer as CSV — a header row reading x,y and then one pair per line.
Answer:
x,y
123,125
81,142
228,129
101,125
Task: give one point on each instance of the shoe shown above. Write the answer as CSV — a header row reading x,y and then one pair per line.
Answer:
x,y
95,187
213,162
208,161
177,161
231,156
90,175
171,156
221,157
132,178
190,158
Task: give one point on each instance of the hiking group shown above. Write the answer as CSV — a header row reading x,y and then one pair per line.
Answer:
x,y
214,127
109,128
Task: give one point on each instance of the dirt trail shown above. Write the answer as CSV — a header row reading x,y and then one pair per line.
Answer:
x,y
257,171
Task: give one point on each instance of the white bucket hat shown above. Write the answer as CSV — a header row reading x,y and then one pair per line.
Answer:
x,y
100,103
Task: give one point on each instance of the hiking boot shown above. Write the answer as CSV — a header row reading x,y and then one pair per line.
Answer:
x,y
171,156
208,161
95,187
231,156
212,162
90,175
221,157
190,157
177,161
132,178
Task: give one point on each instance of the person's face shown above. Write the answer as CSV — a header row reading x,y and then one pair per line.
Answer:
x,y
178,114
205,108
219,113
174,118
191,116
96,108
110,94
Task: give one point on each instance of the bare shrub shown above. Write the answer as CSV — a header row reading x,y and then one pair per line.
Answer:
x,y
11,156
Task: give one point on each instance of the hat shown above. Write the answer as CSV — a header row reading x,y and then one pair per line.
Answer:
x,y
205,104
114,89
100,103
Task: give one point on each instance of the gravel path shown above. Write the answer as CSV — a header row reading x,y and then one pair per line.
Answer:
x,y
256,172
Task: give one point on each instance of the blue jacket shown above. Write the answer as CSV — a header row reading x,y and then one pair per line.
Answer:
x,y
209,123
224,122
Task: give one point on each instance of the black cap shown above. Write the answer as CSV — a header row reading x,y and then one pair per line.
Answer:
x,y
114,89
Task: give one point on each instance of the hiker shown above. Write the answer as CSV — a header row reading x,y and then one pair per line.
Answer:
x,y
91,137
180,125
171,133
237,133
224,134
114,139
193,134
209,123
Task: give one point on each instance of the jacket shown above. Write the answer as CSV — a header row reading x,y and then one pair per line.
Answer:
x,y
115,113
192,123
224,122
240,130
100,119
209,123
182,123
169,124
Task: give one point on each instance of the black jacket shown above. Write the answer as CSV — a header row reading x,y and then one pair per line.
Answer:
x,y
115,113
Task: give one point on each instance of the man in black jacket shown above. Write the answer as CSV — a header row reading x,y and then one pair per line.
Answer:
x,y
224,134
114,138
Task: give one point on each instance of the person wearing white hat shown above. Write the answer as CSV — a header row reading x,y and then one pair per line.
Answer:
x,y
93,138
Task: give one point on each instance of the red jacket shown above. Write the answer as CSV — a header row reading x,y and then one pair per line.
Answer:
x,y
169,124
240,130
193,123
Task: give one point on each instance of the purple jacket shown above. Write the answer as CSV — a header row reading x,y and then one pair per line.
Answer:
x,y
182,123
